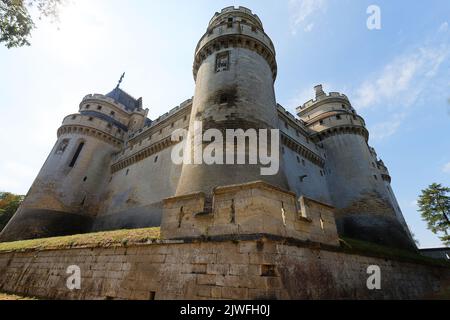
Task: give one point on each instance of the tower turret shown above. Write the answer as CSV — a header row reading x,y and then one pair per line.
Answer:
x,y
234,69
358,182
65,196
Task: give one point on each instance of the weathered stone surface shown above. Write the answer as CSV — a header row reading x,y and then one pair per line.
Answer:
x,y
255,269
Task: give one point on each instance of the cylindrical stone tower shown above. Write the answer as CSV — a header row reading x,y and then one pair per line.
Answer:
x,y
64,197
359,184
234,69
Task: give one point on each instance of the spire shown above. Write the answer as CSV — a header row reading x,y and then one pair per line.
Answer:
x,y
120,80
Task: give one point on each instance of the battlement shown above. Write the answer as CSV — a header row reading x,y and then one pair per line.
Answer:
x,y
246,209
288,114
161,119
241,11
96,97
324,98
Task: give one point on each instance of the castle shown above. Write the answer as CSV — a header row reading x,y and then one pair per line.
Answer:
x,y
111,166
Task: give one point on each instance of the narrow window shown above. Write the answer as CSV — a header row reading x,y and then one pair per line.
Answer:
x,y
222,61
62,146
376,178
286,125
321,122
156,159
88,106
112,113
338,117
76,155
223,99
99,107
303,162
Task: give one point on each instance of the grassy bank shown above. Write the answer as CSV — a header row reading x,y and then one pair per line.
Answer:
x,y
89,240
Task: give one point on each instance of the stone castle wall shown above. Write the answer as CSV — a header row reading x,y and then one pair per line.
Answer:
x,y
249,269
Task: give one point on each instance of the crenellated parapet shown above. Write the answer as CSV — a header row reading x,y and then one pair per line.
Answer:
x,y
245,15
249,209
331,114
235,28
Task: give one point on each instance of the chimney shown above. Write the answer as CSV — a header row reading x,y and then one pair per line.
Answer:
x,y
319,91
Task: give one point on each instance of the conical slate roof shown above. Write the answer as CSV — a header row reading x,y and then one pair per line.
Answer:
x,y
125,99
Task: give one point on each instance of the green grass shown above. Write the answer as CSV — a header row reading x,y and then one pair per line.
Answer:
x,y
363,247
89,240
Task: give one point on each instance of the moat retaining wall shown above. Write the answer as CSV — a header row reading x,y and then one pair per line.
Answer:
x,y
247,269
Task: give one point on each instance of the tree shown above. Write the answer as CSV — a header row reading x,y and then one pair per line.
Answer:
x,y
9,203
434,204
16,22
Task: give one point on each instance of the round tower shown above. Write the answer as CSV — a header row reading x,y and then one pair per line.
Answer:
x,y
359,185
65,195
234,70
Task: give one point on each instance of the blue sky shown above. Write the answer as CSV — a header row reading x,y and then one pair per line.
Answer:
x,y
398,78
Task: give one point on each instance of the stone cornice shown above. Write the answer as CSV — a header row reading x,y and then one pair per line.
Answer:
x,y
347,129
302,150
90,131
235,41
143,154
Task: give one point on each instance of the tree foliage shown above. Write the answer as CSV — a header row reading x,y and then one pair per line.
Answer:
x,y
16,22
434,205
9,203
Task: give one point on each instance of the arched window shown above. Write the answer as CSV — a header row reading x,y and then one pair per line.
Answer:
x,y
76,155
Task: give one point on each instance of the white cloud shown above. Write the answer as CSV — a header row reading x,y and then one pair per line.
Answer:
x,y
446,168
387,128
302,11
443,27
403,79
309,27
